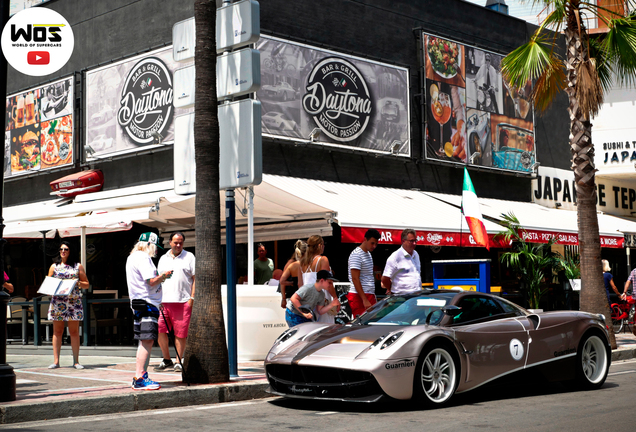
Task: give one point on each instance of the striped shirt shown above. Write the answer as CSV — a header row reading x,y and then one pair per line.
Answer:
x,y
632,279
361,260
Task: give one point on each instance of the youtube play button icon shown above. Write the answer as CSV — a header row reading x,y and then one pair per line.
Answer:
x,y
38,57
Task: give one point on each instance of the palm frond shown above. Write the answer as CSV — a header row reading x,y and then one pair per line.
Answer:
x,y
528,62
620,45
537,61
556,17
589,90
598,55
548,85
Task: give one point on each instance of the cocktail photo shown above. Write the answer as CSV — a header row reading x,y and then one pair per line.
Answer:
x,y
446,121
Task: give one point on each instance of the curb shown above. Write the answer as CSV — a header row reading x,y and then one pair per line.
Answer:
x,y
133,401
623,354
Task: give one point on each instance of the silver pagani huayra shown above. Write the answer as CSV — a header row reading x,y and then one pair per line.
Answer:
x,y
433,344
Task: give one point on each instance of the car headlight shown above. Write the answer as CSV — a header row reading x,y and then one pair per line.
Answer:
x,y
285,336
390,340
386,340
377,341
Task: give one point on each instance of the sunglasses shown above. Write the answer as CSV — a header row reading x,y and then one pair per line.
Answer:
x,y
64,249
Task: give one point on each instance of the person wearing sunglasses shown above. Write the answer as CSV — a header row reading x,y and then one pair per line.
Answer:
x,y
68,308
402,270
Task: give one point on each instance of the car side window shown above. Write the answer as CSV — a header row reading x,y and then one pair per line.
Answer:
x,y
510,308
476,308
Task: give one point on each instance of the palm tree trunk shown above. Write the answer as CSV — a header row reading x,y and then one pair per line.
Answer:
x,y
593,297
206,358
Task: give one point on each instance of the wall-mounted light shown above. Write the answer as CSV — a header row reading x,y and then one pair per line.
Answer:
x,y
314,134
157,137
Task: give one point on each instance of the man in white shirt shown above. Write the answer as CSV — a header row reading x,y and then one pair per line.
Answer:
x,y
361,294
144,290
178,296
402,271
488,77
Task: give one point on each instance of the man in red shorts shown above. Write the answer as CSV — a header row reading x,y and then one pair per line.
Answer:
x,y
178,296
362,291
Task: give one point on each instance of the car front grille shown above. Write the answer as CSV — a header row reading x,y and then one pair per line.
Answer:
x,y
322,382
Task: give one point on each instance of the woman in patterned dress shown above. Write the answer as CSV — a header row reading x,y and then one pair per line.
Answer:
x,y
67,308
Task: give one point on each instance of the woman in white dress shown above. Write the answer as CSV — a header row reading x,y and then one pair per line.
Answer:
x,y
67,308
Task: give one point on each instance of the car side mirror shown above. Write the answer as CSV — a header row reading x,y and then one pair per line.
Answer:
x,y
452,310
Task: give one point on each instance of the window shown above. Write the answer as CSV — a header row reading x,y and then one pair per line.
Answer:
x,y
476,308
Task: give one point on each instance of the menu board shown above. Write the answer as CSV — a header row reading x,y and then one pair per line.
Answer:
x,y
473,116
39,128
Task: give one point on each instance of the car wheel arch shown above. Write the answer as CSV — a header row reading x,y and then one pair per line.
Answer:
x,y
439,341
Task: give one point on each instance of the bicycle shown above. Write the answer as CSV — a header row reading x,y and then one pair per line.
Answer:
x,y
623,314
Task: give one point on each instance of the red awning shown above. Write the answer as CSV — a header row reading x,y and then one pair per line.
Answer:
x,y
464,239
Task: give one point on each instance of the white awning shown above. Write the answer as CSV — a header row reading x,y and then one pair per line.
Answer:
x,y
377,207
281,203
98,222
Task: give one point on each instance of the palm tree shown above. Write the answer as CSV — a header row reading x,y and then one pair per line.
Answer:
x,y
589,68
206,357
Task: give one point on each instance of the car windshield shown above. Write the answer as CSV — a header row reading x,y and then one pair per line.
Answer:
x,y
407,310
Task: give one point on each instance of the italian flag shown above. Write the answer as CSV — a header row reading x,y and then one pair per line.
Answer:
x,y
470,209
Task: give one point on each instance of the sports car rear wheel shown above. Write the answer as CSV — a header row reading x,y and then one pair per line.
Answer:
x,y
436,375
592,362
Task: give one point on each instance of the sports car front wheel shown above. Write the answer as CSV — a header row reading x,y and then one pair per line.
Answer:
x,y
436,375
592,362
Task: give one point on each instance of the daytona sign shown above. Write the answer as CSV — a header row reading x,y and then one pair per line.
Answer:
x,y
146,101
338,99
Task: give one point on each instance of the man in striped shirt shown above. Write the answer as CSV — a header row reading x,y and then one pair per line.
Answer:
x,y
362,291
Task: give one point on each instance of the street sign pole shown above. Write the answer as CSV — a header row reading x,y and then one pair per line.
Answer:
x,y
230,247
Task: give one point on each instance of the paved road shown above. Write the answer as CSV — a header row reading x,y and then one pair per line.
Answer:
x,y
505,407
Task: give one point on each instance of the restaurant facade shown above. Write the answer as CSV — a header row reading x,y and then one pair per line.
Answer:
x,y
403,95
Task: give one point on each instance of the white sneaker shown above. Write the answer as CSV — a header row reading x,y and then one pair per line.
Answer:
x,y
54,366
178,367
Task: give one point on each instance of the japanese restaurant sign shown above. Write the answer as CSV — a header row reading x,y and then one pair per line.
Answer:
x,y
39,128
472,116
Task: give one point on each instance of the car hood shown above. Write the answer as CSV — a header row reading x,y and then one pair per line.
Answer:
x,y
343,342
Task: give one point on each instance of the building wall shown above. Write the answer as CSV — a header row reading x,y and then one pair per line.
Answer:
x,y
378,29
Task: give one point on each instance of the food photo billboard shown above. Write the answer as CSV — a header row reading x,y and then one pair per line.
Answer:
x,y
39,128
354,103
472,116
129,102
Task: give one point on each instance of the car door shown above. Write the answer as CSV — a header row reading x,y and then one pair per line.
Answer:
x,y
495,341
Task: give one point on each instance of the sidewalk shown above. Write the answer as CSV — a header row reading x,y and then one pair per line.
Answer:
x,y
104,386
